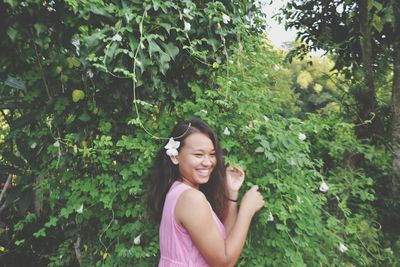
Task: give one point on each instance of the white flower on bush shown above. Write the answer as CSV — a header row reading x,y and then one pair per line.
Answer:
x,y
172,147
80,210
33,145
226,131
270,217
302,136
77,45
56,144
299,200
186,11
187,26
136,241
226,18
342,248
340,9
117,38
323,187
89,73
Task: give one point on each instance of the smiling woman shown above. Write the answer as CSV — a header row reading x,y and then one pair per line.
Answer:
x,y
192,189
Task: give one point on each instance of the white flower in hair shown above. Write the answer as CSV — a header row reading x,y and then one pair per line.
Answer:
x,y
172,147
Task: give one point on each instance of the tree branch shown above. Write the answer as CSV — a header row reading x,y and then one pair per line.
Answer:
x,y
77,247
3,192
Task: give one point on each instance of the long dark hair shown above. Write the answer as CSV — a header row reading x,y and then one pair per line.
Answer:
x,y
164,173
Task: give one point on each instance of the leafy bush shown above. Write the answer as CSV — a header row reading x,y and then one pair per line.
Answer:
x,y
108,84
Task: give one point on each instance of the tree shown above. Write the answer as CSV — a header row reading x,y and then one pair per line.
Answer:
x,y
363,36
358,34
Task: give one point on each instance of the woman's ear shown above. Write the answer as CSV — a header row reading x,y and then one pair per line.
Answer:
x,y
174,160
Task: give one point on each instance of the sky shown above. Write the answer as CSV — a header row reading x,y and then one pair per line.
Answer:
x,y
276,32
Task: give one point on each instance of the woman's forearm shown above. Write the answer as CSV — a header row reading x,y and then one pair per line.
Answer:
x,y
237,237
231,216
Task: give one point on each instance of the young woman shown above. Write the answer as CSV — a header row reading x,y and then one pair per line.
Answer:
x,y
196,200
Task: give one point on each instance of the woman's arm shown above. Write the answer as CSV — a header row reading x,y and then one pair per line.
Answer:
x,y
234,180
192,211
231,215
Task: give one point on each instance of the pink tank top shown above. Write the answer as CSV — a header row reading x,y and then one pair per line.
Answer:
x,y
176,246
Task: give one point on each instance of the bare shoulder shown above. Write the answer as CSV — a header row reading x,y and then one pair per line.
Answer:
x,y
193,213
192,196
191,204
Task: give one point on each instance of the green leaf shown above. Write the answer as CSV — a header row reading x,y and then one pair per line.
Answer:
x,y
19,242
39,28
153,47
171,50
51,222
259,149
12,33
15,83
166,26
214,43
73,62
84,117
156,5
377,23
378,5
133,42
99,10
112,51
40,233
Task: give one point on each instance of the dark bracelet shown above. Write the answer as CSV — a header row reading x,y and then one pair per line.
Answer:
x,y
233,200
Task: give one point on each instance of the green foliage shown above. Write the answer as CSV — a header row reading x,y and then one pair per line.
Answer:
x,y
96,97
335,28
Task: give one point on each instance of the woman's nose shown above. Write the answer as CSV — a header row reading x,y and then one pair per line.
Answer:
x,y
206,161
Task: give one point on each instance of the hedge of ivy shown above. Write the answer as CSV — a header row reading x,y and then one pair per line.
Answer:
x,y
91,90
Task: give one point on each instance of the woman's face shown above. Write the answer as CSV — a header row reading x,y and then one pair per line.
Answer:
x,y
196,160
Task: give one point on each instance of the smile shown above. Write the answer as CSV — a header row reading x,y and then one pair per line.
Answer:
x,y
203,172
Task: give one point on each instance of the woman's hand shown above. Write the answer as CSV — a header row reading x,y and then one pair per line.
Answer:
x,y
252,201
234,180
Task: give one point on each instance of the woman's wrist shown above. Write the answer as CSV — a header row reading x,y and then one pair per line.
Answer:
x,y
233,196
